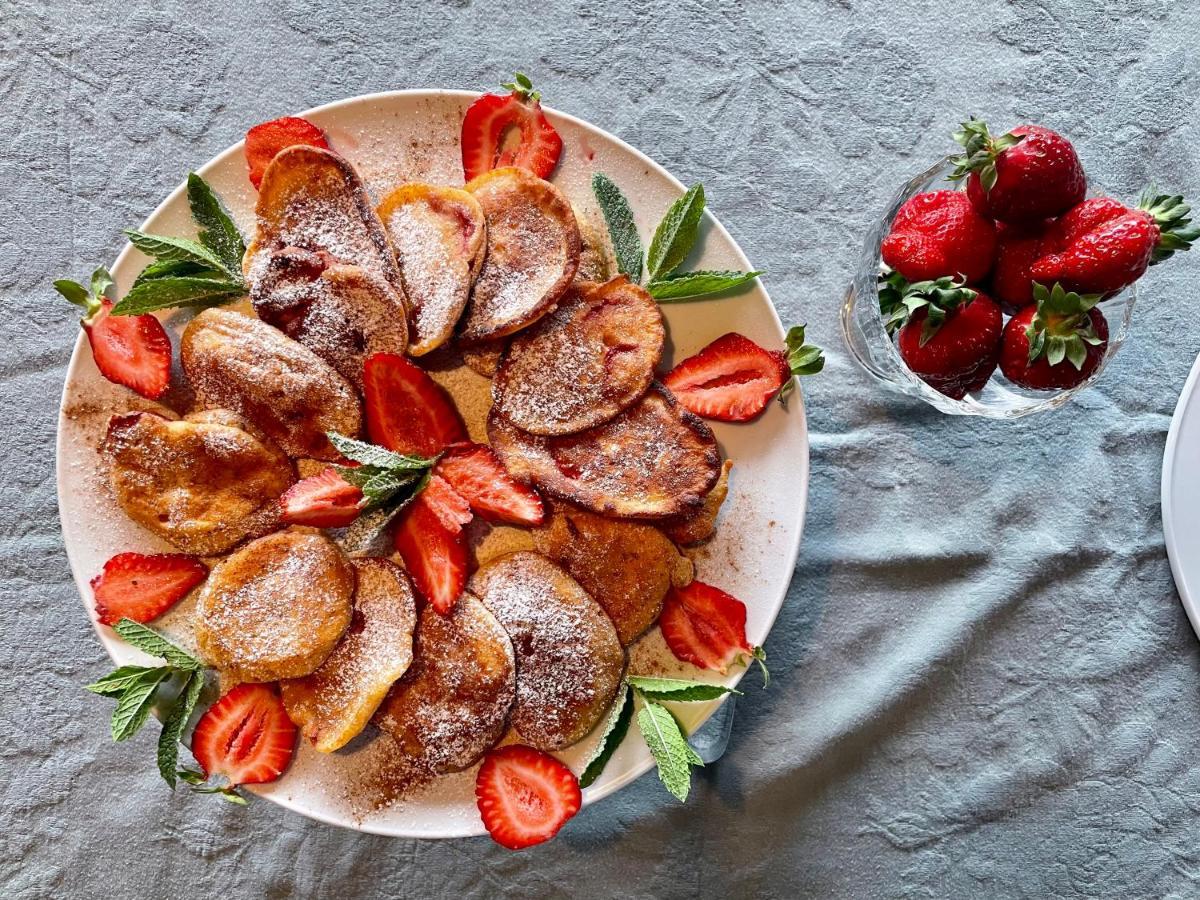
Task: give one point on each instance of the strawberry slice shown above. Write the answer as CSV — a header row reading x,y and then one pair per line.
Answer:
x,y
448,505
435,556
731,380
246,736
406,409
706,627
477,474
509,130
326,500
525,796
264,141
141,587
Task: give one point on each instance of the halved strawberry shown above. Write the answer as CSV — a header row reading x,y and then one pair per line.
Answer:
x,y
509,130
525,796
706,627
264,141
476,473
406,409
246,736
435,556
141,587
451,508
731,380
133,351
326,500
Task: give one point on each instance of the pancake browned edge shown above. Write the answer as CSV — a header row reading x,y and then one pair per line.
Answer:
x,y
652,461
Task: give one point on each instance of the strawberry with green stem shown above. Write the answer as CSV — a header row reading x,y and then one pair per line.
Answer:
x,y
1022,177
948,334
1103,246
1056,344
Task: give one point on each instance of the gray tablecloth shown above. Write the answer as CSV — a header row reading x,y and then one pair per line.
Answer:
x,y
984,682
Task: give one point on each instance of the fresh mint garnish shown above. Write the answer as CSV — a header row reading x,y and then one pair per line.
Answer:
x,y
185,272
676,233
151,642
683,286
677,689
669,747
622,230
175,723
133,705
384,477
615,730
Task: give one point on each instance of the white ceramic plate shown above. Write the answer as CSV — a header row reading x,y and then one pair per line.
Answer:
x,y
1181,496
413,135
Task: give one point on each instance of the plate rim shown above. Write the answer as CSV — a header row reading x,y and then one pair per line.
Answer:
x,y
592,794
1191,604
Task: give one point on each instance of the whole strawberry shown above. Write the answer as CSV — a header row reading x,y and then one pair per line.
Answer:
x,y
937,234
1102,246
1057,343
949,335
1020,178
1017,249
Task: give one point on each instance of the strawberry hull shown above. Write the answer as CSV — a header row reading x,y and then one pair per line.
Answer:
x,y
1040,375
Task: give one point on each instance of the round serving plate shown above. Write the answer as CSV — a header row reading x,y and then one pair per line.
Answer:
x,y
413,136
1181,496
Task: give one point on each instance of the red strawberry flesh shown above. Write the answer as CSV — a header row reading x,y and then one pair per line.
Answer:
x,y
525,796
478,475
407,411
325,500
246,736
133,351
264,141
961,356
705,626
731,380
142,587
452,510
1099,247
506,130
1038,178
435,556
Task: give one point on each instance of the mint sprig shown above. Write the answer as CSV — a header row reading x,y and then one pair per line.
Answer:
x,y
673,240
138,689
677,689
384,476
185,272
669,746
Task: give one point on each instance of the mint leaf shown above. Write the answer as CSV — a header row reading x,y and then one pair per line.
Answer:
x,y
668,746
134,705
622,230
677,689
676,233
372,455
217,230
171,268
169,292
383,485
149,641
115,683
167,249
73,291
693,285
615,729
176,721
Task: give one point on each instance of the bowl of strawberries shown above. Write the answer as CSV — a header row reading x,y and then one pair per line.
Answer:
x,y
1001,281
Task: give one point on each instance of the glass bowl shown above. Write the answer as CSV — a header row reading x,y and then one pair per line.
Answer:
x,y
869,343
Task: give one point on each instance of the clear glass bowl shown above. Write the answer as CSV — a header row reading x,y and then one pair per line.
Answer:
x,y
870,344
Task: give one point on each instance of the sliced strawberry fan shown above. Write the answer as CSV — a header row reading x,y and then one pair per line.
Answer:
x,y
434,554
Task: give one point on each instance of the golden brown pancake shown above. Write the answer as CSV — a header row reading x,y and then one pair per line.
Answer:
x,y
700,525
342,313
652,461
333,704
439,234
569,659
532,253
626,566
293,396
583,363
453,703
484,359
204,483
276,608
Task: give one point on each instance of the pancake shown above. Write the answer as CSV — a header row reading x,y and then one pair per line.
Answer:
x,y
569,659
452,704
204,483
583,363
700,525
276,608
652,461
626,566
532,253
342,313
293,396
333,704
439,234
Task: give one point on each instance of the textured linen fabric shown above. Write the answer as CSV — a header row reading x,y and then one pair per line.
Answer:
x,y
984,684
